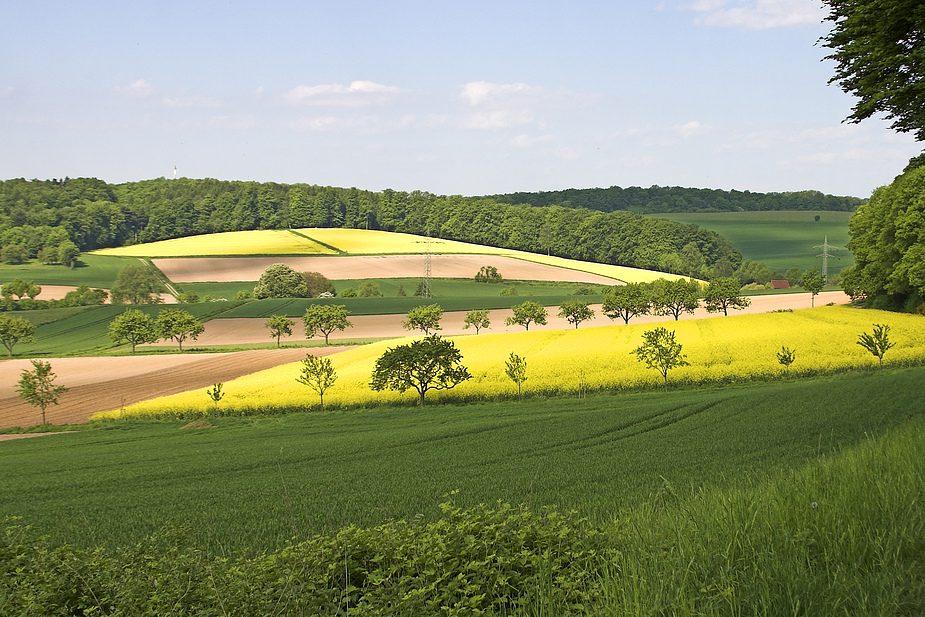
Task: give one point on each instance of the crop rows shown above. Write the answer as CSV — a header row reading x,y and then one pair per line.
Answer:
x,y
720,350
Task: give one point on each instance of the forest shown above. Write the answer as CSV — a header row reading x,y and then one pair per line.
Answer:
x,y
662,199
95,214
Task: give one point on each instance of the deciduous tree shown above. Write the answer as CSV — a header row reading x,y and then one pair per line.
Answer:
x,y
626,301
317,284
178,325
37,386
674,297
477,319
279,326
527,313
318,374
576,311
877,343
424,318
723,294
515,367
813,282
660,351
136,284
280,281
15,330
430,363
878,48
133,326
325,318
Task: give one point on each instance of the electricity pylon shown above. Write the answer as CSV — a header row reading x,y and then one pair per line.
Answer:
x,y
826,247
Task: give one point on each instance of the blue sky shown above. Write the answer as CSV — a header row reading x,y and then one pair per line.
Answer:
x,y
464,98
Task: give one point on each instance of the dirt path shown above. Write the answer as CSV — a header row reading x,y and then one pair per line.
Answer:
x,y
102,384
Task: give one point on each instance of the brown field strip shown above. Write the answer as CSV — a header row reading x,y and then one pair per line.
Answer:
x,y
101,384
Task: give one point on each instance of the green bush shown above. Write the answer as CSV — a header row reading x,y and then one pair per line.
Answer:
x,y
499,559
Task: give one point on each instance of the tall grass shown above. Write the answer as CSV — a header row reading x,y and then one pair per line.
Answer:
x,y
843,536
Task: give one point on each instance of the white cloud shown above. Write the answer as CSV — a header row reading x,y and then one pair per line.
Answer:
x,y
692,129
356,94
332,123
137,89
758,14
480,92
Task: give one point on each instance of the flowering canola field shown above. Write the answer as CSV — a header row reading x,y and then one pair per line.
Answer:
x,y
720,350
352,242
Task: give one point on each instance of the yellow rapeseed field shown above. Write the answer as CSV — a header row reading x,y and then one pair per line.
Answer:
x,y
719,349
354,242
240,243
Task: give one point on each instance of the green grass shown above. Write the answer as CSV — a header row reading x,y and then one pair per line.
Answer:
x,y
84,330
780,239
96,271
251,484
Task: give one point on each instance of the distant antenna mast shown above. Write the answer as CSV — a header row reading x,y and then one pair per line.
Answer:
x,y
174,172
826,247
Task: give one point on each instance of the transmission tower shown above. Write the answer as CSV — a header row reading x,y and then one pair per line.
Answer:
x,y
425,283
826,247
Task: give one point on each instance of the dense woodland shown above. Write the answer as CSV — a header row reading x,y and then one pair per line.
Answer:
x,y
95,214
662,199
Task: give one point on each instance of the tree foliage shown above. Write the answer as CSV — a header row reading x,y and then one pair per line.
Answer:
x,y
660,351
477,319
178,325
325,318
527,313
318,374
317,284
879,52
674,297
430,363
424,318
889,247
37,386
280,281
14,330
576,311
813,282
279,326
515,367
626,301
136,284
723,294
133,326
877,343
488,274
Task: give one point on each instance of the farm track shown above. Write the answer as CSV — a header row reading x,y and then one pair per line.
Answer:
x,y
92,391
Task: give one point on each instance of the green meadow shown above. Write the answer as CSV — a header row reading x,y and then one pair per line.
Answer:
x,y
253,484
782,239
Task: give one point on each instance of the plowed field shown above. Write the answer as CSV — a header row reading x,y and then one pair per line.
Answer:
x,y
227,269
99,384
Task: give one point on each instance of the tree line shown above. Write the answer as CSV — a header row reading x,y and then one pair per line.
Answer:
x,y
91,214
662,199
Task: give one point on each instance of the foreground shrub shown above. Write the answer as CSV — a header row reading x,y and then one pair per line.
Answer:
x,y
497,559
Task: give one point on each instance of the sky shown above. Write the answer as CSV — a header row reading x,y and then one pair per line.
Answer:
x,y
471,98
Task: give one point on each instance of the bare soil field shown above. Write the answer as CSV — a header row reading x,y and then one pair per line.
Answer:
x,y
230,269
102,384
